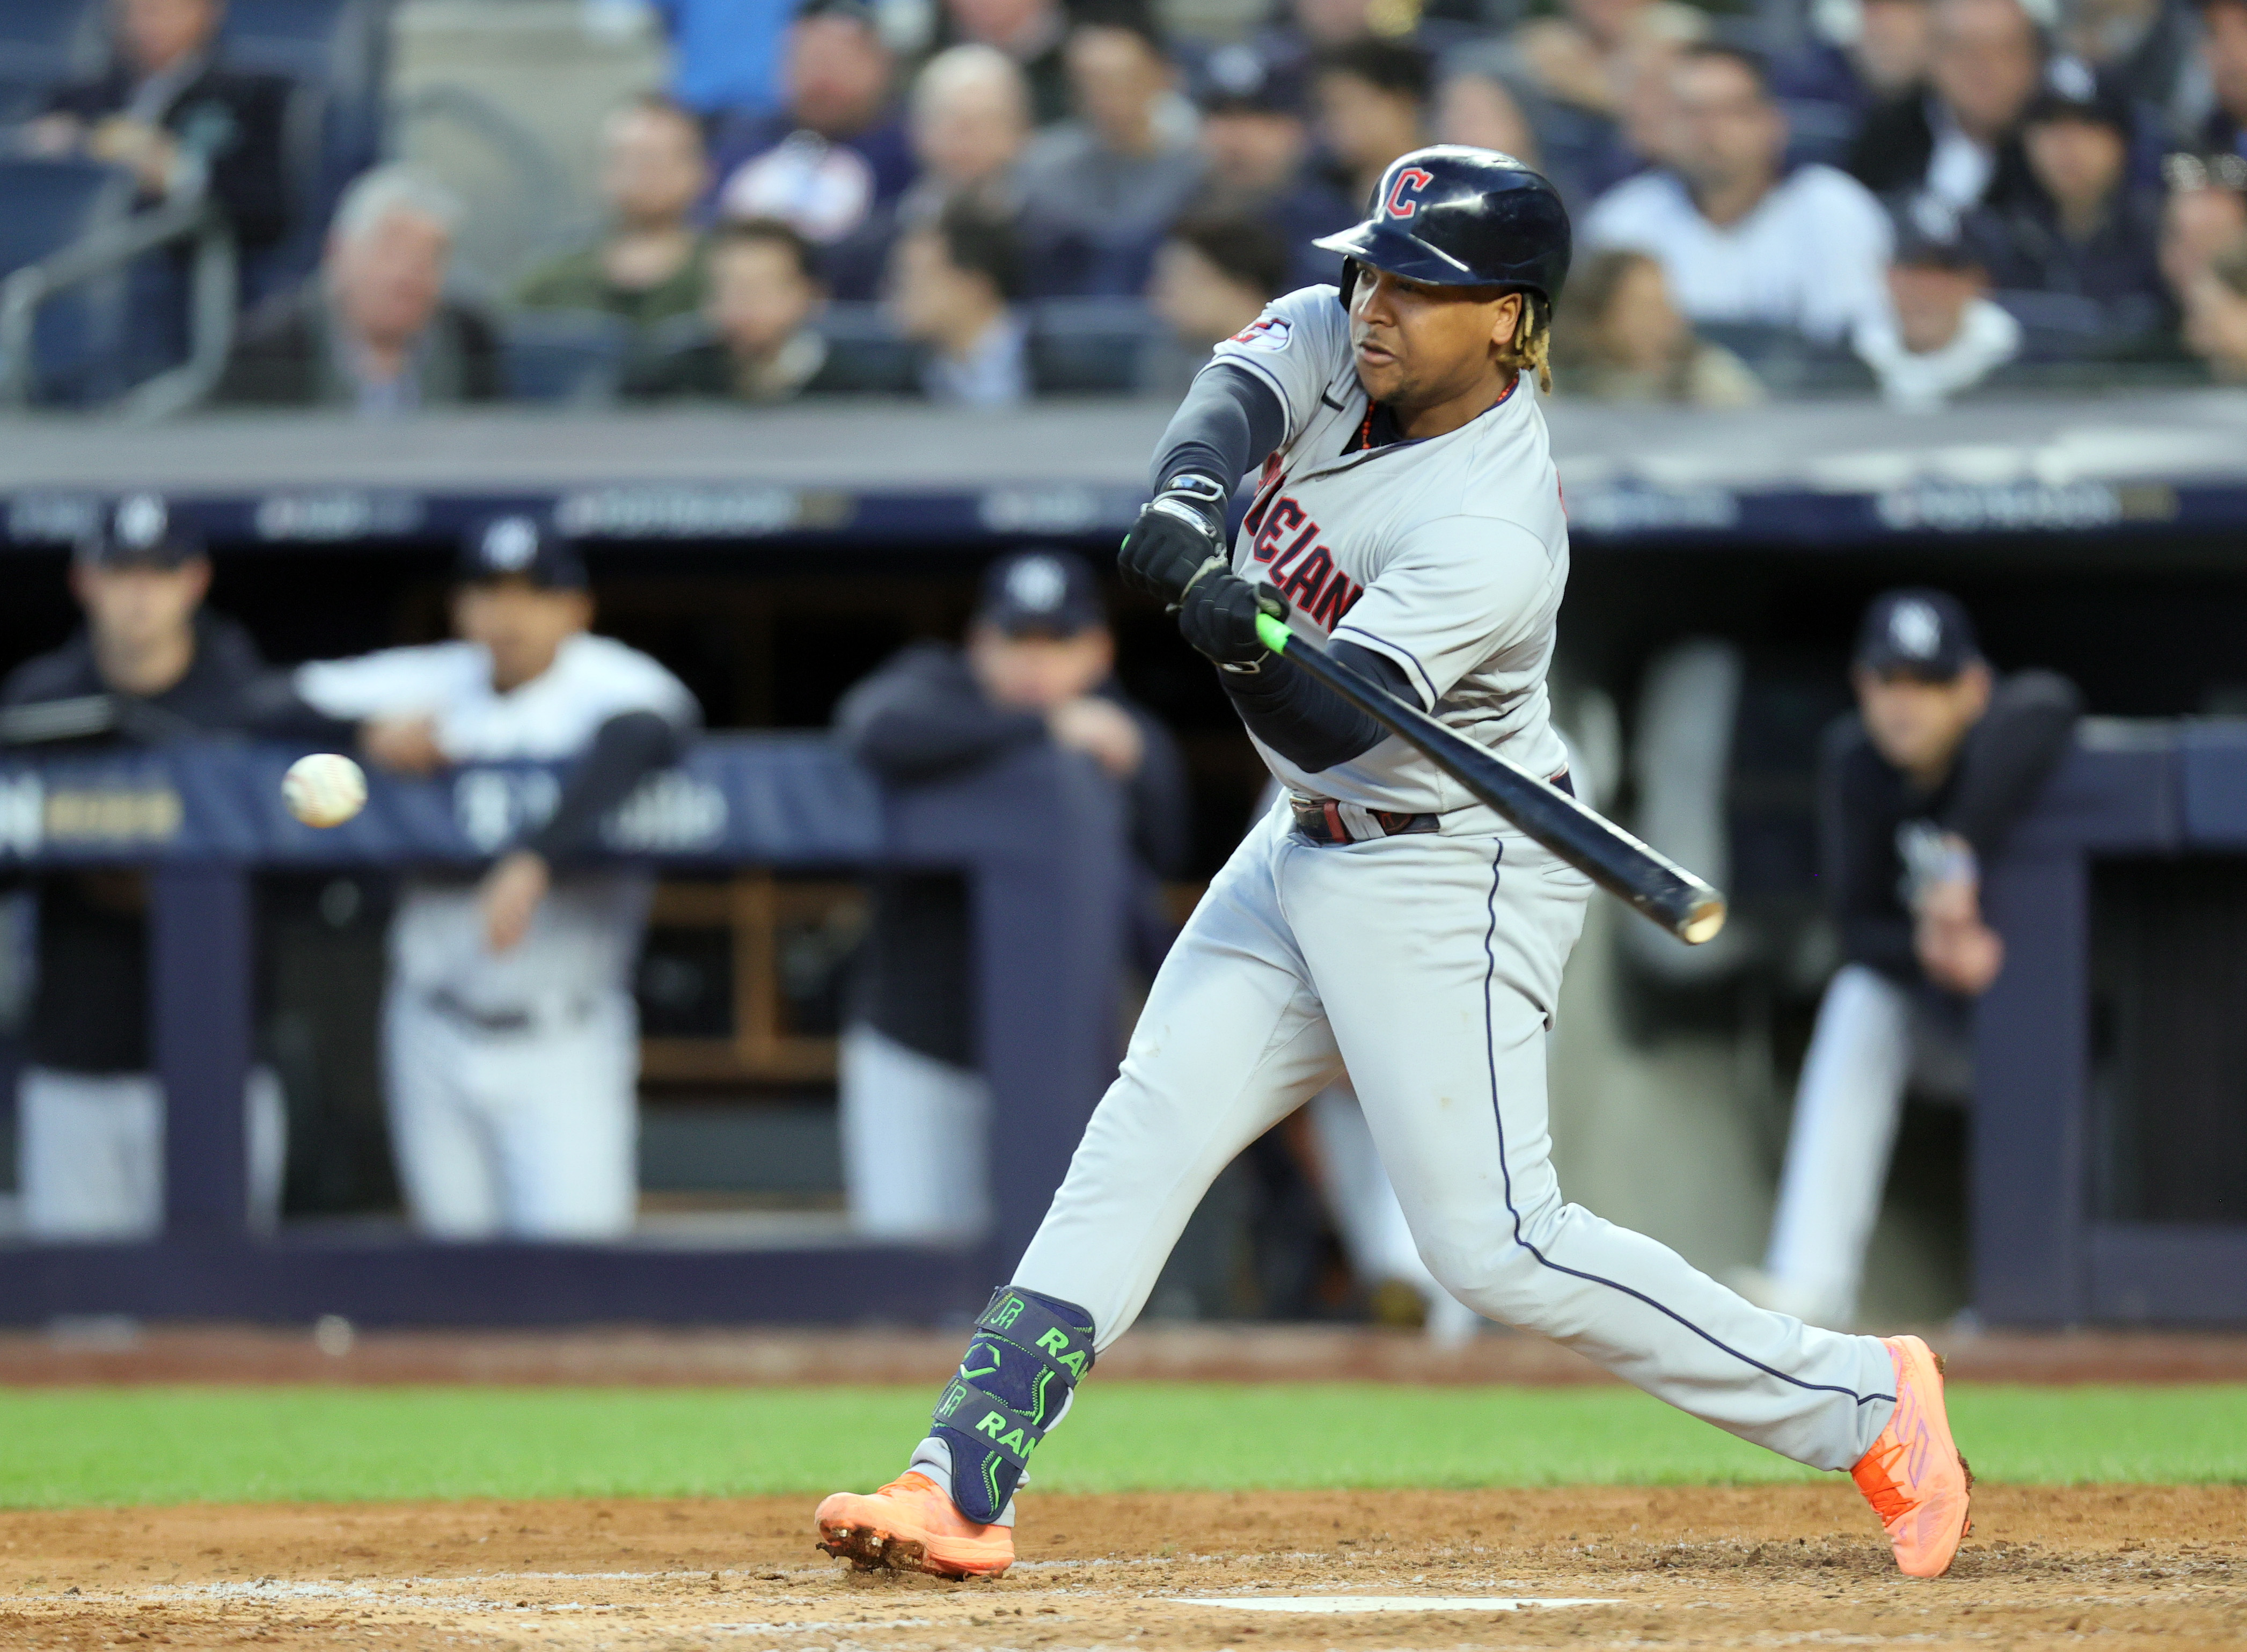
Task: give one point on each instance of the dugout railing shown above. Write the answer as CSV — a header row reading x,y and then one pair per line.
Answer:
x,y
1040,840
2048,1246
1039,837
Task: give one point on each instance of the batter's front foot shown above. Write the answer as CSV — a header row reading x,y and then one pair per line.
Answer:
x,y
1914,1477
910,1526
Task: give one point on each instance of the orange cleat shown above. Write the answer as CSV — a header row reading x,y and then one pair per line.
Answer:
x,y
1914,1477
911,1526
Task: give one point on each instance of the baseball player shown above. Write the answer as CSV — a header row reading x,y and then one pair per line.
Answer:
x,y
152,666
510,1037
1379,919
1915,792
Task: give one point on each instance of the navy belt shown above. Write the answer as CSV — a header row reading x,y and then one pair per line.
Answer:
x,y
447,1003
1322,819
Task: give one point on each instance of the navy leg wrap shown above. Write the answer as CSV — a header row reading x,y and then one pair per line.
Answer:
x,y
1024,1360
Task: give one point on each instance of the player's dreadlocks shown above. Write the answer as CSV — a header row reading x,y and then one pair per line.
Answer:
x,y
1531,346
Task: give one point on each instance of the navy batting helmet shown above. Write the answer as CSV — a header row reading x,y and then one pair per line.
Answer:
x,y
1453,216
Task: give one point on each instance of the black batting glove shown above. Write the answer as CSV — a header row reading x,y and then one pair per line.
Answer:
x,y
1181,529
1217,616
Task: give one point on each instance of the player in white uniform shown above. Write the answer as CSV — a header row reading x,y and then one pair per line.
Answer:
x,y
510,1038
1382,918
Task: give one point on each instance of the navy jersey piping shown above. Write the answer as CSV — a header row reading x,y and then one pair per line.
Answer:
x,y
1505,1171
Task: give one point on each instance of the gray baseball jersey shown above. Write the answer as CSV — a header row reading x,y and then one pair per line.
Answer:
x,y
1449,555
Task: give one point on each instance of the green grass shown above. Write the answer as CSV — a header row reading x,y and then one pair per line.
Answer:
x,y
62,1448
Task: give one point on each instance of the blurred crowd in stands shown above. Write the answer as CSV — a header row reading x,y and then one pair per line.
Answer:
x,y
1009,198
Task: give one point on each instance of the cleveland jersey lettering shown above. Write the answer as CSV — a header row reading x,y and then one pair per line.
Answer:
x,y
1299,569
1448,556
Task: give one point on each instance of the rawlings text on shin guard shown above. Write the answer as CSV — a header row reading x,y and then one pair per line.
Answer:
x,y
1014,1382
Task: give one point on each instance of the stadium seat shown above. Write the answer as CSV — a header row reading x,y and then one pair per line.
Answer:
x,y
336,52
563,355
872,354
79,338
42,43
1088,346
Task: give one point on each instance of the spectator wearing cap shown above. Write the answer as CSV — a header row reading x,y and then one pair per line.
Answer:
x,y
1037,667
1099,189
1941,334
510,1039
954,288
374,331
647,267
1957,145
1740,239
167,102
970,120
2223,57
2077,256
1918,791
834,159
1372,98
757,339
1213,277
1619,339
150,666
1255,146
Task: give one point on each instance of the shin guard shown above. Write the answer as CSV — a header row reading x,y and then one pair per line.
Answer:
x,y
1014,1382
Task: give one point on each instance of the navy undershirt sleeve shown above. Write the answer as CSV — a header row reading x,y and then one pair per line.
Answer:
x,y
626,750
1303,720
1229,420
2010,754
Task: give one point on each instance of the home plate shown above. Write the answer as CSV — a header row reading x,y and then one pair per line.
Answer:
x,y
1389,1603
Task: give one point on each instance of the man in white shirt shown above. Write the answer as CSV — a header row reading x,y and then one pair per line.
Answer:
x,y
1737,241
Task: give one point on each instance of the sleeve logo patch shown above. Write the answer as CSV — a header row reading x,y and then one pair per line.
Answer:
x,y
1265,332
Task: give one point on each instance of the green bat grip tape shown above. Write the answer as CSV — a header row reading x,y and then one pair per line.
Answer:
x,y
1274,633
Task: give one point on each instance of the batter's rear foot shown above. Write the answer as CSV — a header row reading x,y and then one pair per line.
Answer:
x,y
910,1526
1914,1477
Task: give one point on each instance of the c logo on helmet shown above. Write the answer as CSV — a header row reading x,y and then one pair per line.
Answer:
x,y
1410,181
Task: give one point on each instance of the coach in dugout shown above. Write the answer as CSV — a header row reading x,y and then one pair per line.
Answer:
x,y
510,1037
151,667
1037,667
1915,793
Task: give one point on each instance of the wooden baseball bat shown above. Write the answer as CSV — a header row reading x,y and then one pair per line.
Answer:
x,y
1594,845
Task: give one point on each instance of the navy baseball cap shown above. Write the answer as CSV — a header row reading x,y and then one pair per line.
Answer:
x,y
521,546
1918,633
139,530
1051,592
2072,91
1239,80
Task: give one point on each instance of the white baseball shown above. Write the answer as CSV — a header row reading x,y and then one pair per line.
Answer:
x,y
324,790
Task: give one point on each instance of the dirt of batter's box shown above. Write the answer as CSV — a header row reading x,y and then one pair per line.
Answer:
x,y
1680,1566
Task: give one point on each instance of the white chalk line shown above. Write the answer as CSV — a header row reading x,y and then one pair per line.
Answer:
x,y
1332,1605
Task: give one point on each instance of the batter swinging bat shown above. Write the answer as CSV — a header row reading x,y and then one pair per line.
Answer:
x,y
1597,847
